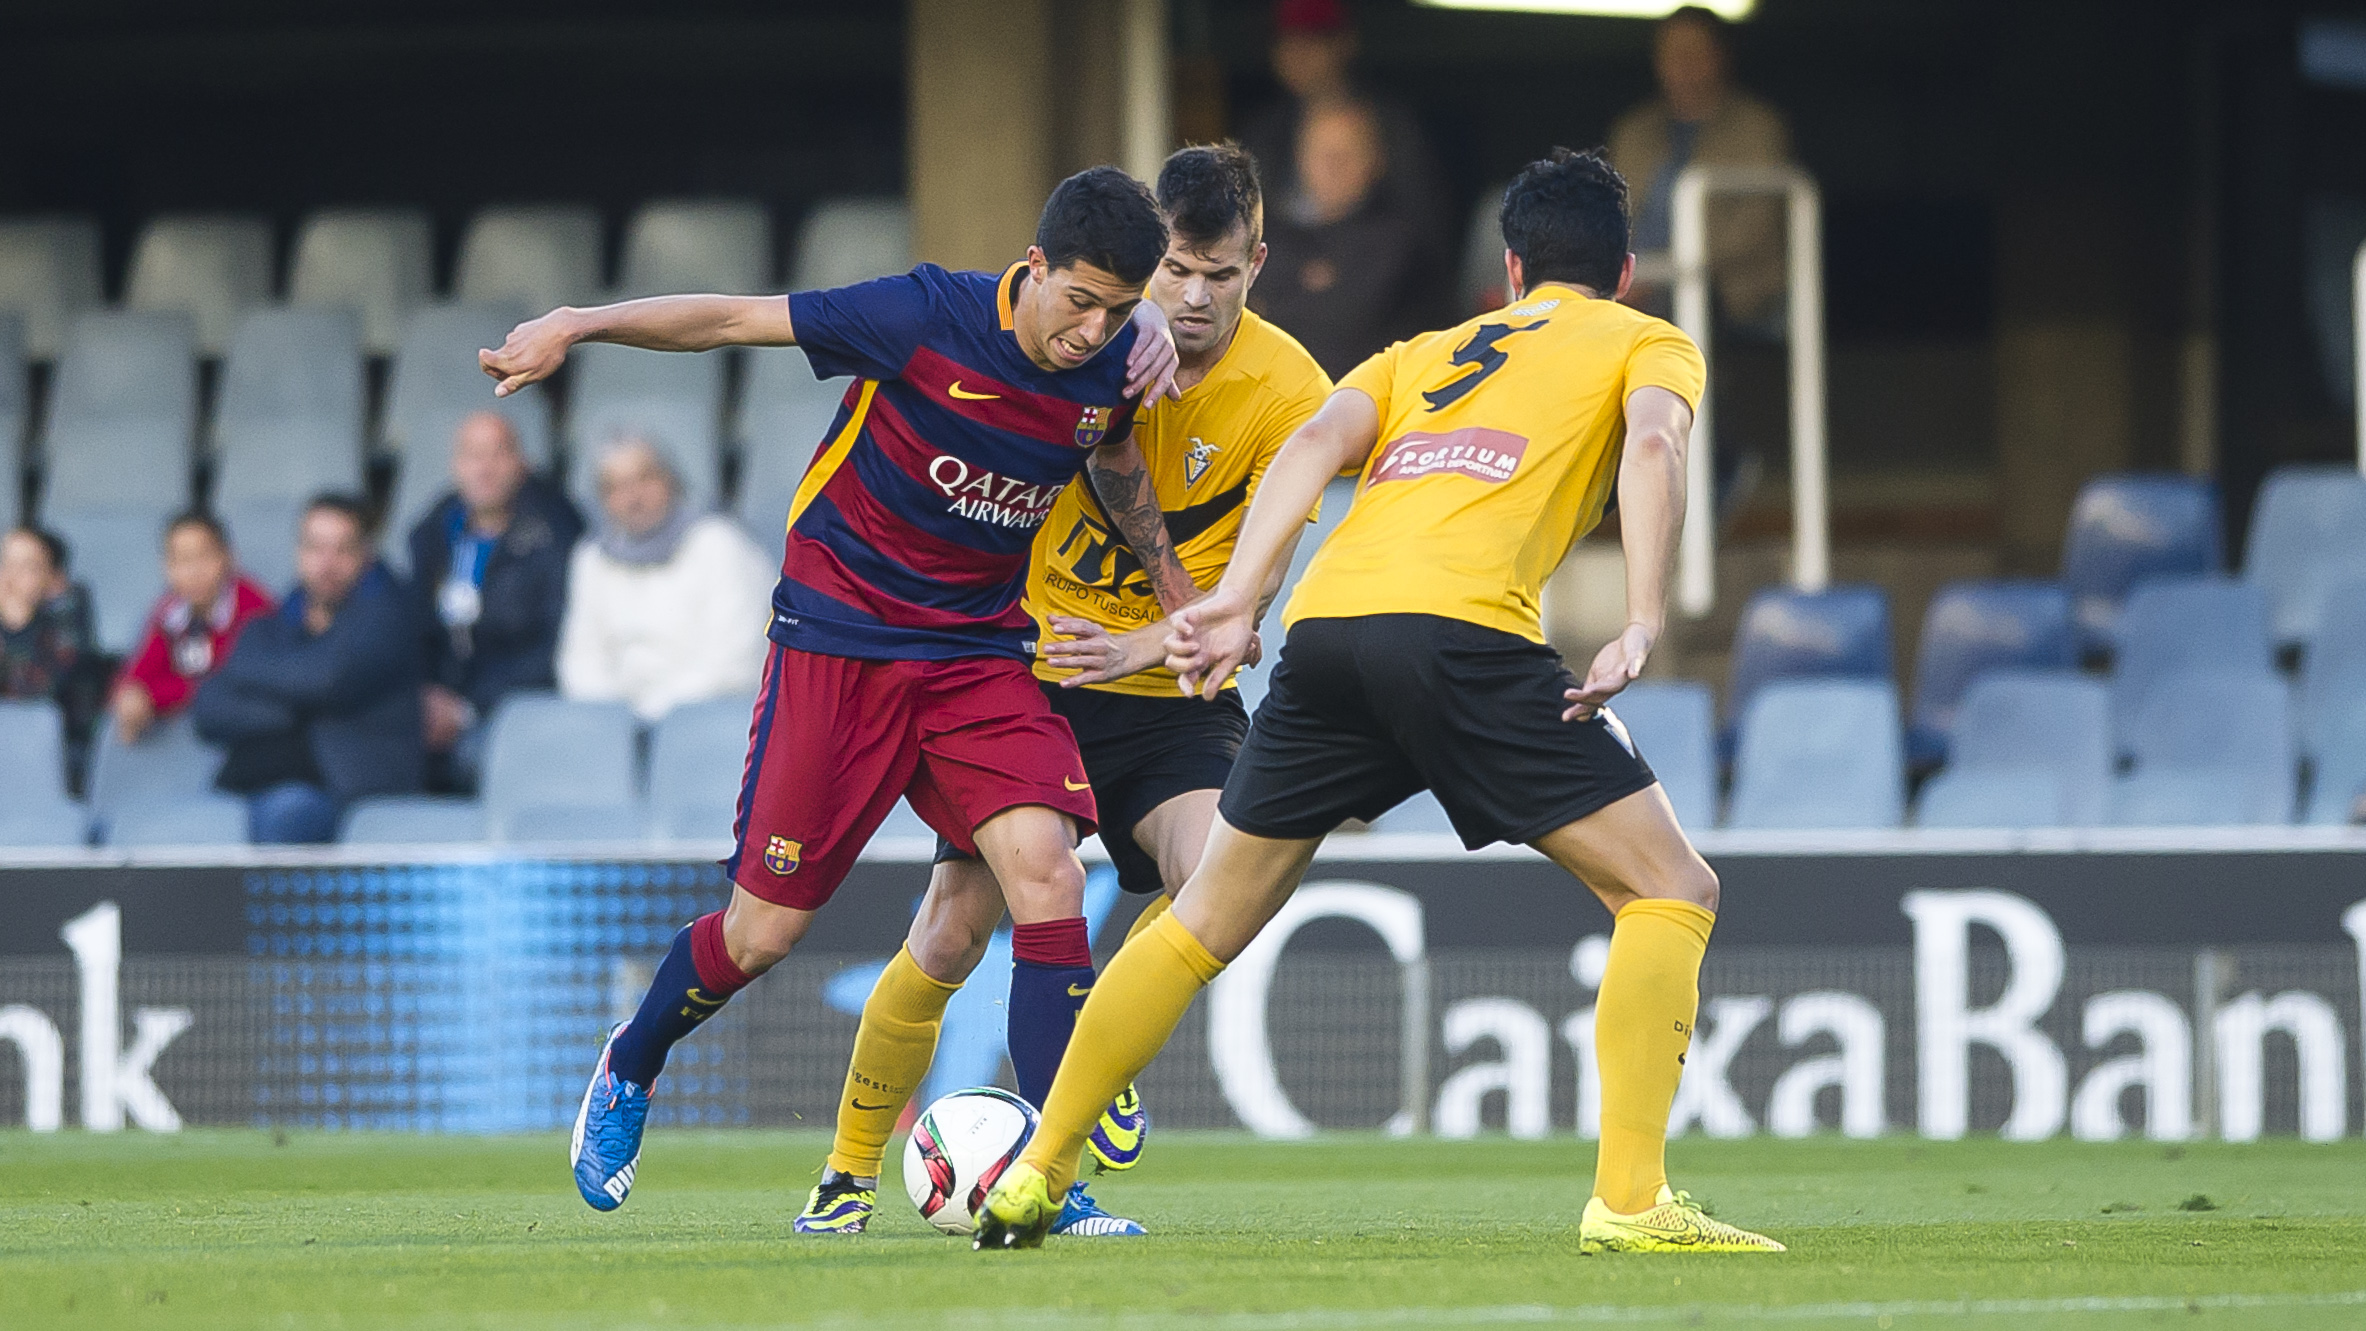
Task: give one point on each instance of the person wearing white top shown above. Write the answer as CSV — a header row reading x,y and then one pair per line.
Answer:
x,y
664,607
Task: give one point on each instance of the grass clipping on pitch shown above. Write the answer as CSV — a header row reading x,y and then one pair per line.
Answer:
x,y
251,1229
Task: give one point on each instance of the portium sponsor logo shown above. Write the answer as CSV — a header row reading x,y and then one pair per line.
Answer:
x,y
985,496
1473,451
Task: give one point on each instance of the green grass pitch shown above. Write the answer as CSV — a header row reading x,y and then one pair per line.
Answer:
x,y
247,1229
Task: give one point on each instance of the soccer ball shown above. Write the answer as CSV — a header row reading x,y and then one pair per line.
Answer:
x,y
959,1146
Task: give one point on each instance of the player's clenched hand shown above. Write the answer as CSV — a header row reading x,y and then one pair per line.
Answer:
x,y
1615,667
1211,640
1150,366
533,352
1097,655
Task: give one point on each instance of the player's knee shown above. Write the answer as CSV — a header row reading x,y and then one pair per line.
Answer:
x,y
758,941
1053,889
1697,883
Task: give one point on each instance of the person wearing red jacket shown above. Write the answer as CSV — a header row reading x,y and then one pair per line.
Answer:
x,y
190,632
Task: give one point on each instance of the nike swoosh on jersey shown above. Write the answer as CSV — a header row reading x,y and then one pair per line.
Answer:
x,y
956,390
1073,784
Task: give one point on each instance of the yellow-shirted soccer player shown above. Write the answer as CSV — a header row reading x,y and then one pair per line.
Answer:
x,y
1155,758
1415,660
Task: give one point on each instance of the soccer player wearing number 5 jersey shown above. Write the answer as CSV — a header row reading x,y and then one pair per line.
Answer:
x,y
1415,659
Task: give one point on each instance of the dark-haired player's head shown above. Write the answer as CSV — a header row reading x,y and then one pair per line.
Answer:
x,y
1215,211
332,548
1565,220
196,558
1097,243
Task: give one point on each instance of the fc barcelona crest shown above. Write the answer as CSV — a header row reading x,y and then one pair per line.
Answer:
x,y
781,855
1091,426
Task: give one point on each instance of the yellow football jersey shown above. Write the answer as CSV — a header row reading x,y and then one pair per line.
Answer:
x,y
1499,443
1207,452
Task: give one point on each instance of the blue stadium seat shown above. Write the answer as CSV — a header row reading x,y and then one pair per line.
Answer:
x,y
33,750
2129,525
1419,815
1673,724
718,245
546,752
1820,753
2055,720
1974,627
538,258
168,765
2333,711
1994,797
196,820
2199,726
697,755
379,263
214,267
412,820
36,823
673,400
2308,534
2180,623
784,417
844,241
288,426
1785,634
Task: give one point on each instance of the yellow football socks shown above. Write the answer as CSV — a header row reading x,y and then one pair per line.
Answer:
x,y
1133,1009
892,1051
1151,910
1642,1026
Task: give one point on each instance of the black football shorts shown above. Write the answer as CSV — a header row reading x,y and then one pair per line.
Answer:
x,y
1363,713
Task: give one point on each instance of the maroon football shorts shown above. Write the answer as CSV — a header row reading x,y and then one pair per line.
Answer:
x,y
836,740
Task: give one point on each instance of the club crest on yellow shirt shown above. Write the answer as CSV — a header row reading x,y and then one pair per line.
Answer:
x,y
1091,426
781,855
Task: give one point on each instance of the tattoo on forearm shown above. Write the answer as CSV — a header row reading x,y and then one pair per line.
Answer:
x,y
1127,495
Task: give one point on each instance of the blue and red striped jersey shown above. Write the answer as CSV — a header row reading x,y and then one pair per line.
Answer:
x,y
909,535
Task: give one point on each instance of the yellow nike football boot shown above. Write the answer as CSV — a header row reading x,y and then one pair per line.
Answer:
x,y
1018,1213
1675,1224
1116,1141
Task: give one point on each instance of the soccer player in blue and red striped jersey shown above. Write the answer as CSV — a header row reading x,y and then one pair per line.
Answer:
x,y
900,647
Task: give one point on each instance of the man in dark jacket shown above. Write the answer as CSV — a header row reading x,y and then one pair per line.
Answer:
x,y
319,703
489,570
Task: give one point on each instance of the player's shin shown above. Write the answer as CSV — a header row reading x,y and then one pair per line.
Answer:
x,y
1642,1027
693,982
1131,1013
892,1051
1051,973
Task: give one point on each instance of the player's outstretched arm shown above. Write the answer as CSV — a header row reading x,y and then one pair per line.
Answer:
x,y
1651,517
1122,481
536,348
1211,637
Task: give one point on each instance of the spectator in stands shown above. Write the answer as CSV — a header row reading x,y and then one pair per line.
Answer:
x,y
1701,117
1349,273
207,602
319,703
1314,50
489,565
45,641
664,606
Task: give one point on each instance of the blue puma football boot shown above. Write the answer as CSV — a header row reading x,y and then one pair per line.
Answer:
x,y
607,1145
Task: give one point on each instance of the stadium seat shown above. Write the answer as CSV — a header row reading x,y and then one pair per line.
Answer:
x,y
1820,753
2055,720
546,752
534,258
2333,710
784,416
1419,815
2127,526
379,263
436,385
212,267
1994,797
2308,532
1973,627
697,245
1673,724
851,240
15,387
2232,726
673,400
1785,634
1338,496
412,820
121,417
32,824
49,275
33,750
289,426
170,763
195,820
697,755
2176,623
